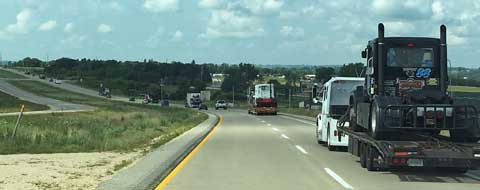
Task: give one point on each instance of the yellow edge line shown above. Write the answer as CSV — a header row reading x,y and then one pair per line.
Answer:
x,y
180,165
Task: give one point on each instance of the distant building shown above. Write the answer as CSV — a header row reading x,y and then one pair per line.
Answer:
x,y
217,80
309,77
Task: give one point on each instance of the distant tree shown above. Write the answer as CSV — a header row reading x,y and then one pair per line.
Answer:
x,y
323,74
30,62
352,70
193,62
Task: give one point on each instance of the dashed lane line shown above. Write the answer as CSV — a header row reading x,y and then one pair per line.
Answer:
x,y
301,149
338,178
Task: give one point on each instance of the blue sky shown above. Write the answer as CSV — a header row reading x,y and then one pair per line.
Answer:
x,y
294,32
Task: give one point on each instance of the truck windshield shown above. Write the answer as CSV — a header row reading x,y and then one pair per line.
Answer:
x,y
410,57
341,90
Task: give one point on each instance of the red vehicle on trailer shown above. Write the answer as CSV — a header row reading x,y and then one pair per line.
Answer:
x,y
261,100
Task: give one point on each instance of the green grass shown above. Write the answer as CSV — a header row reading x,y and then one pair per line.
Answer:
x,y
300,111
115,126
464,89
12,104
10,75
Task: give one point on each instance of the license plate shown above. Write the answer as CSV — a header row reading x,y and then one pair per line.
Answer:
x,y
415,162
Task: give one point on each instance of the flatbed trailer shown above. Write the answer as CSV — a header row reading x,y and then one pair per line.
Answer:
x,y
414,150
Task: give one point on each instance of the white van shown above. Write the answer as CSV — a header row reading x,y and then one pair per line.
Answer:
x,y
335,96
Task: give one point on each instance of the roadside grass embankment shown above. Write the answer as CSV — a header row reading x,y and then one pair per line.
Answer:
x,y
10,75
114,126
10,103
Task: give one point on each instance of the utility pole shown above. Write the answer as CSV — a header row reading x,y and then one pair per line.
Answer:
x,y
289,97
201,73
233,96
161,89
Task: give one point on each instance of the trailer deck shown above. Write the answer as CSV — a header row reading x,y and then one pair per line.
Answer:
x,y
415,151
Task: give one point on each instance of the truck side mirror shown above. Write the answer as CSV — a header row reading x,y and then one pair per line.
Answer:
x,y
364,54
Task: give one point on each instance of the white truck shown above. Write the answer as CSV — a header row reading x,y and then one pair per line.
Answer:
x,y
193,100
334,98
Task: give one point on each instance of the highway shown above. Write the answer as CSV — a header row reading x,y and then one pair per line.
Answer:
x,y
55,105
277,152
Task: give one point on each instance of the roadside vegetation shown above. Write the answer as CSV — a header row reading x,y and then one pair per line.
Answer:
x,y
114,126
9,75
10,103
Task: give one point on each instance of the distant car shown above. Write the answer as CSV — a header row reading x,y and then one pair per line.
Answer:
x,y
131,99
221,104
58,81
164,103
41,76
203,107
51,80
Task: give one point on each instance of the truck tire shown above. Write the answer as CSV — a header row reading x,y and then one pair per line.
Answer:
x,y
350,145
363,155
318,139
375,121
371,154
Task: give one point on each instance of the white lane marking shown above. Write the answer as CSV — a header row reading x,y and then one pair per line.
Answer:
x,y
301,149
285,136
338,178
269,124
275,129
263,121
472,176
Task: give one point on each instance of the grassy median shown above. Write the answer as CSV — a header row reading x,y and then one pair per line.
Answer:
x,y
10,103
10,75
114,126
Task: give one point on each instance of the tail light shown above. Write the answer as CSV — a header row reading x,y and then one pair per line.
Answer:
x,y
440,114
335,133
430,114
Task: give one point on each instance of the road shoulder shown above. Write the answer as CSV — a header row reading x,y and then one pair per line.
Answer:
x,y
147,172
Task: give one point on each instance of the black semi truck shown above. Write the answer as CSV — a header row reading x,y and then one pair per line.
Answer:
x,y
403,115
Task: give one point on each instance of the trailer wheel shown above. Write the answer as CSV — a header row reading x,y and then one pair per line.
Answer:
x,y
371,154
350,145
363,155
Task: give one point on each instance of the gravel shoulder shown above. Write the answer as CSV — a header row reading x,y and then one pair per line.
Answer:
x,y
59,171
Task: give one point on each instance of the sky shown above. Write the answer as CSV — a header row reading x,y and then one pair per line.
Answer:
x,y
283,32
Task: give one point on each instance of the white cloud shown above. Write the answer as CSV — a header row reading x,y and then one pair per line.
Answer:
x,y
68,27
228,23
263,6
74,41
161,5
398,28
49,25
21,26
312,11
288,15
155,38
295,32
115,6
177,36
438,10
210,4
406,9
104,28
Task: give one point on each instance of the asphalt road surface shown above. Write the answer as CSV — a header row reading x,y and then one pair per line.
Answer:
x,y
276,152
55,105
